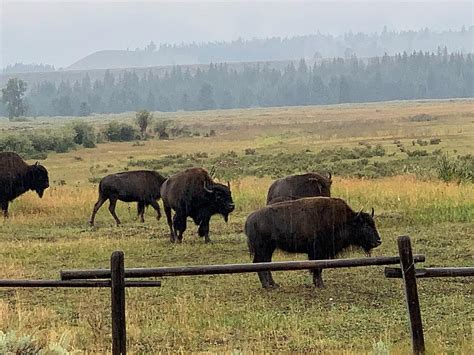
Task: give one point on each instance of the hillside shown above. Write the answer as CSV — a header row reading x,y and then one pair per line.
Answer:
x,y
314,46
58,76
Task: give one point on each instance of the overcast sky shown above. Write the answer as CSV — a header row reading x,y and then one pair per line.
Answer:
x,y
60,33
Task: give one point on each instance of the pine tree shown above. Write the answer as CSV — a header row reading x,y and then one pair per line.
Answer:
x,y
13,97
206,97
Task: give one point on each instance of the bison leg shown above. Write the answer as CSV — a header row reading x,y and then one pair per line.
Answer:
x,y
179,224
4,207
266,278
170,222
141,210
317,278
97,205
203,230
113,203
317,273
156,206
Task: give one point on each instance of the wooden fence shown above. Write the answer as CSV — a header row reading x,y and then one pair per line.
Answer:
x,y
115,279
409,274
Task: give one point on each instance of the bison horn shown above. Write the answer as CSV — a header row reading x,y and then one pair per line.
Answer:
x,y
228,184
373,212
37,163
330,176
207,189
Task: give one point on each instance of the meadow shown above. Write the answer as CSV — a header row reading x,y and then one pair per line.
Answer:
x,y
359,311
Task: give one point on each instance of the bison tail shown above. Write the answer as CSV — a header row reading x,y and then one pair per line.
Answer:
x,y
250,232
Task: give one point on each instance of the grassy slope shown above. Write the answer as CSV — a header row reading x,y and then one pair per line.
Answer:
x,y
357,309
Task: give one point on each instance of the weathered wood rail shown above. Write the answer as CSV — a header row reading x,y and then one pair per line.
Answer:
x,y
200,270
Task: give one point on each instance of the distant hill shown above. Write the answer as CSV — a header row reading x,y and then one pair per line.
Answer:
x,y
72,76
315,46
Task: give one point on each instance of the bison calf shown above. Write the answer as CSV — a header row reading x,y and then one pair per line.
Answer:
x,y
17,177
298,186
141,186
321,227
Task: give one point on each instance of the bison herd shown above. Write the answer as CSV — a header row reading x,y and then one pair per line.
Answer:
x,y
300,216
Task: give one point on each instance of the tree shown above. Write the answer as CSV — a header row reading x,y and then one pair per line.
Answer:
x,y
12,97
206,97
151,47
84,109
227,100
143,119
62,106
185,103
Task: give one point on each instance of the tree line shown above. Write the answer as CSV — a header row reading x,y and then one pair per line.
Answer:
x,y
312,46
404,76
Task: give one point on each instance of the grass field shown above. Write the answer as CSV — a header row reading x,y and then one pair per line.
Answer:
x,y
359,311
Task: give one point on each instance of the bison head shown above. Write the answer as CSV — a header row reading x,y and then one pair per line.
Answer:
x,y
38,178
365,233
323,184
221,199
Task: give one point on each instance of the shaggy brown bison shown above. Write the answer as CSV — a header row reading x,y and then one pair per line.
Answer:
x,y
298,186
193,193
17,177
141,186
321,227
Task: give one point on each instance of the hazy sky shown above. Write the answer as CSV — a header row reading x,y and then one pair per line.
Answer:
x,y
60,33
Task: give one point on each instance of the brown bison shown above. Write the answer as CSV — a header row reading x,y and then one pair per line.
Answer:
x,y
142,186
321,227
298,186
17,177
193,193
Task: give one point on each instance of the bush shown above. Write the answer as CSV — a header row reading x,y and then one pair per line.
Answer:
x,y
10,343
35,146
460,169
120,132
160,129
435,141
62,143
84,134
41,142
421,142
422,118
417,153
17,143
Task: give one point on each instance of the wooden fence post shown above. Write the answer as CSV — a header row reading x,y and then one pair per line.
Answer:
x,y
117,291
411,293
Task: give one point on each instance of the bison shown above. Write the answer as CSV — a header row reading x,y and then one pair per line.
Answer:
x,y
298,186
193,193
17,177
142,186
321,227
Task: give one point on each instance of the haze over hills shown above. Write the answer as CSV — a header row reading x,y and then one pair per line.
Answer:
x,y
314,46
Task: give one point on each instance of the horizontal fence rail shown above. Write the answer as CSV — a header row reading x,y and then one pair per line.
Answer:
x,y
74,283
432,272
234,268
